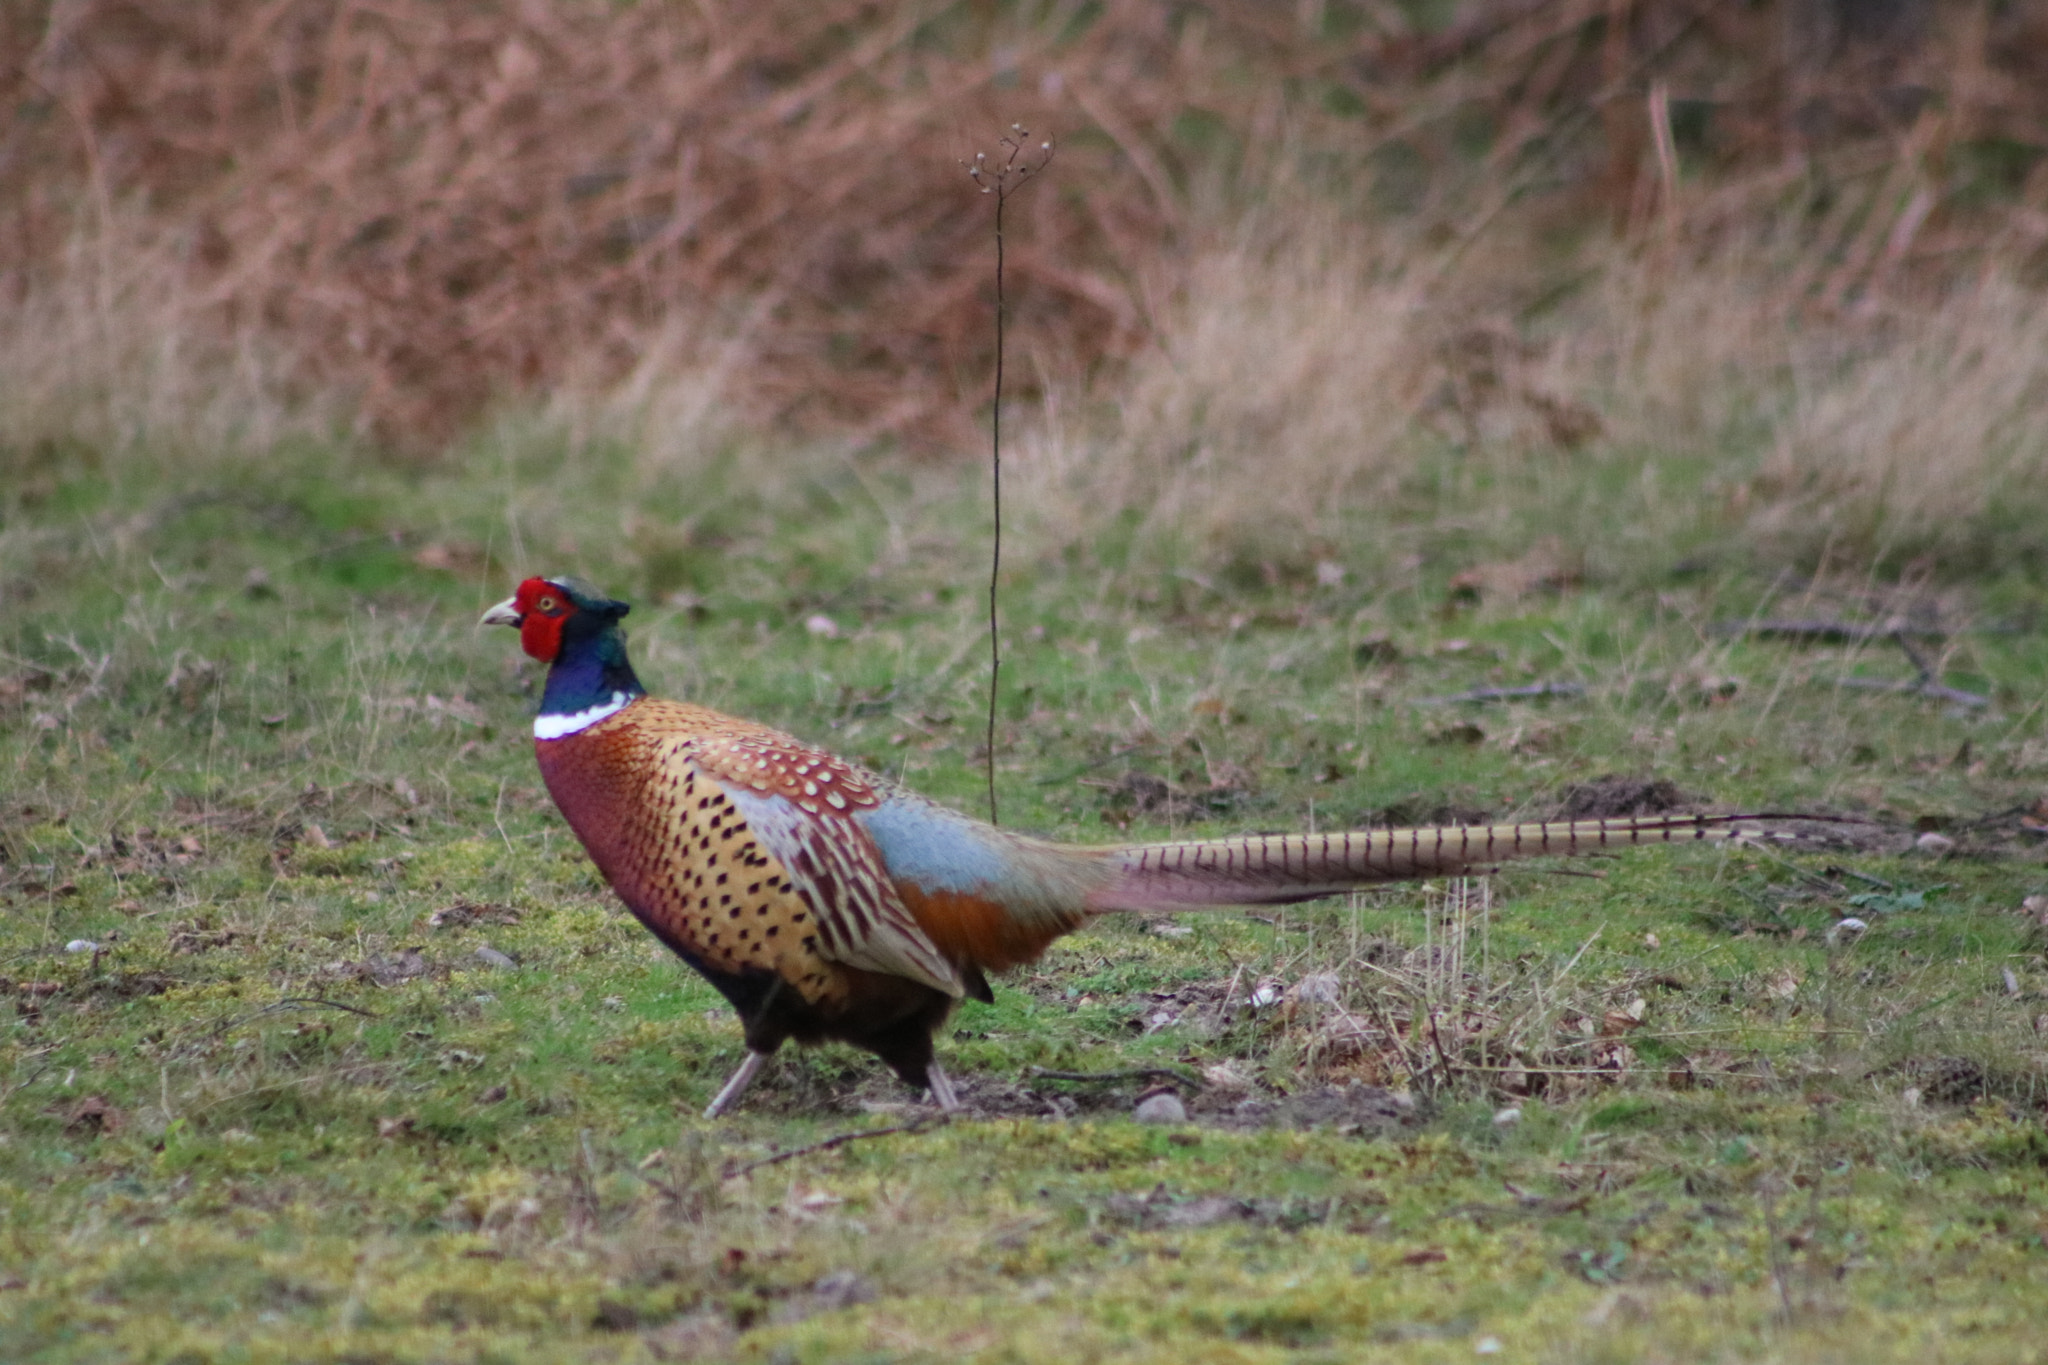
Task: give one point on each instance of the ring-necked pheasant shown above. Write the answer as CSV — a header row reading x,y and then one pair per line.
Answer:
x,y
825,901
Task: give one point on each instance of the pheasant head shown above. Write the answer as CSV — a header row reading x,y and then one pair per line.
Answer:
x,y
574,629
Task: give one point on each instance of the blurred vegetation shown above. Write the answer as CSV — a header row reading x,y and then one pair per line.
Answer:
x,y
1774,266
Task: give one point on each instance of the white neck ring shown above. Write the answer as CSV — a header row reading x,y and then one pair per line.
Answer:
x,y
558,727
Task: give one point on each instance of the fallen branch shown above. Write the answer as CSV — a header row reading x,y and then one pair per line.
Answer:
x,y
1477,694
1847,632
294,1002
11,1091
840,1140
1141,1073
1919,687
312,1002
1825,632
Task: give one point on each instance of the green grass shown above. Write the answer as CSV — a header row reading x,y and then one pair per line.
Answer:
x,y
252,742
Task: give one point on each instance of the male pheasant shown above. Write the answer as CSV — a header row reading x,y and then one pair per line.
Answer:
x,y
825,901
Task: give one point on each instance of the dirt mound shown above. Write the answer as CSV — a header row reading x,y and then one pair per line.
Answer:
x,y
1615,795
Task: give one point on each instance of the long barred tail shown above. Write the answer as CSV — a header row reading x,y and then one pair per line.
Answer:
x,y
1274,869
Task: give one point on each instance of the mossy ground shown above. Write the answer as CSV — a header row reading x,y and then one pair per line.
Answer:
x,y
257,754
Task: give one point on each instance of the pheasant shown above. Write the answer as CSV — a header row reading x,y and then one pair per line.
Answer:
x,y
827,902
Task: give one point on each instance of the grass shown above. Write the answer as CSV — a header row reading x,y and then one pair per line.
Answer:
x,y
259,759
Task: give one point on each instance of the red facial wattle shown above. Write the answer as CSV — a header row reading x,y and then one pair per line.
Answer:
x,y
543,611
541,636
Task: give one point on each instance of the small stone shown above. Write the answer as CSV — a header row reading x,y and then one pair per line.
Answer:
x,y
1911,1095
822,626
1226,1076
81,945
1375,649
843,1289
1318,988
491,957
839,1290
701,1336
1934,845
1164,1107
1508,1118
1205,1212
1487,1346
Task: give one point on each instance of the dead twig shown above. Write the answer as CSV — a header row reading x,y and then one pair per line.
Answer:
x,y
1926,684
1825,631
1002,177
929,1121
295,1002
1479,694
1919,687
21,1085
1141,1073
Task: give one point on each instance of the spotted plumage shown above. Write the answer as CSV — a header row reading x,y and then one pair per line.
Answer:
x,y
739,847
825,902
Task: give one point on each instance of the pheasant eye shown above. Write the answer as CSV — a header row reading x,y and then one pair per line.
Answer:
x,y
547,604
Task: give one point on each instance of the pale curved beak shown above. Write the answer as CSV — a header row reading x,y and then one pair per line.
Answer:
x,y
506,613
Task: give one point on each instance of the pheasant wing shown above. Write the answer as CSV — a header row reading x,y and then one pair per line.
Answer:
x,y
800,803
834,865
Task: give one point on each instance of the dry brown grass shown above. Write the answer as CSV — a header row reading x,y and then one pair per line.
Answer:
x,y
1285,256
111,359
434,205
1285,377
1934,437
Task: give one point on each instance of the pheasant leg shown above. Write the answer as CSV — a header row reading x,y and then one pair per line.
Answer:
x,y
737,1086
942,1089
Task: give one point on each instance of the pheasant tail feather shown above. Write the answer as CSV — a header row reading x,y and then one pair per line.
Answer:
x,y
1274,869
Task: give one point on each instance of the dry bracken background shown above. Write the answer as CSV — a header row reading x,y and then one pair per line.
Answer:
x,y
1285,251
